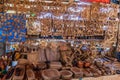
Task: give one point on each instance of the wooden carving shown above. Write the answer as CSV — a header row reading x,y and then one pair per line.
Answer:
x,y
66,55
95,11
66,19
46,27
57,27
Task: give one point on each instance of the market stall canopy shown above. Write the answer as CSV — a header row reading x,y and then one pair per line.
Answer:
x,y
101,1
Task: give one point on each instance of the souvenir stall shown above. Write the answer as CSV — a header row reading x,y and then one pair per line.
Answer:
x,y
59,40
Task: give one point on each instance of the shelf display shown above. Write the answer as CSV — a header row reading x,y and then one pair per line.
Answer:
x,y
85,57
91,20
56,39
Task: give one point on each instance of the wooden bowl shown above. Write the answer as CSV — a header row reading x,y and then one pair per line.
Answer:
x,y
77,72
19,72
50,74
66,74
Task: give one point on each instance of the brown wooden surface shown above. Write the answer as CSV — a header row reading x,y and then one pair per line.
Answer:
x,y
110,77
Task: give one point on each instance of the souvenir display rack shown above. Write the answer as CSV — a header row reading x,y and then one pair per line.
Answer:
x,y
65,40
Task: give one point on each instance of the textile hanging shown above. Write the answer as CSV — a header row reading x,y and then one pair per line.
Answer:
x,y
12,27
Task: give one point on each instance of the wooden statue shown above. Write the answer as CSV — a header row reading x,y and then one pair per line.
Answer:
x,y
66,55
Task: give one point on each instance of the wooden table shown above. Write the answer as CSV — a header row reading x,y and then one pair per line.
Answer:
x,y
110,77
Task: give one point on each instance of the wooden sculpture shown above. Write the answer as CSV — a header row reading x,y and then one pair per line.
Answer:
x,y
33,58
77,53
52,53
57,27
66,55
46,27
41,51
95,11
41,54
